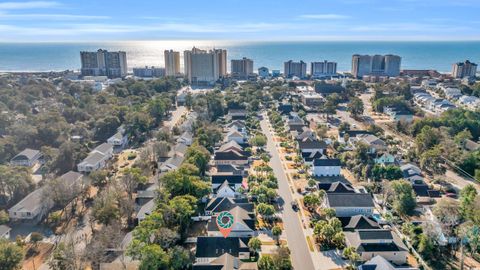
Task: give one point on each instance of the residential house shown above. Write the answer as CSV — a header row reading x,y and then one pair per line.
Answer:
x,y
231,145
237,114
308,145
5,232
336,187
380,263
326,167
27,157
119,140
237,125
359,222
305,134
234,135
37,204
243,223
235,180
231,157
372,242
210,248
32,208
226,262
220,204
375,144
225,190
228,169
94,161
186,138
385,159
105,149
145,210
284,108
350,204
345,136
172,163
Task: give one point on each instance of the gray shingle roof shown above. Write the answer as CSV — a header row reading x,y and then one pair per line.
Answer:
x,y
350,200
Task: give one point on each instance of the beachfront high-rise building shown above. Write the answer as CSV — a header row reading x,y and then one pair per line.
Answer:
x,y
205,67
465,69
148,72
241,68
297,69
380,65
323,69
104,63
172,62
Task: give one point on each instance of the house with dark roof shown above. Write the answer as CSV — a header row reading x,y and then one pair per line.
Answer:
x,y
358,222
243,223
326,167
336,187
228,169
308,145
350,204
326,89
237,114
210,248
27,157
230,157
284,108
372,242
310,157
235,180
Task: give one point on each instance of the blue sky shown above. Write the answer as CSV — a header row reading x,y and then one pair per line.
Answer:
x,y
263,20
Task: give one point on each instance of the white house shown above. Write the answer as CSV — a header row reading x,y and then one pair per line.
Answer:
x,y
105,149
97,158
326,167
385,159
350,204
27,157
32,208
234,135
372,242
94,161
5,232
118,140
225,190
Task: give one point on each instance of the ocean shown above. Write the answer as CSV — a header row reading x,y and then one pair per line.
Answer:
x,y
438,55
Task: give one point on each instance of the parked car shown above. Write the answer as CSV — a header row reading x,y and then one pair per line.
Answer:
x,y
294,205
